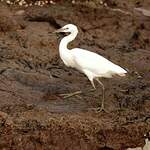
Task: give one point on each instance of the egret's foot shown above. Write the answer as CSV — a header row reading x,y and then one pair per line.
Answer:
x,y
99,109
67,95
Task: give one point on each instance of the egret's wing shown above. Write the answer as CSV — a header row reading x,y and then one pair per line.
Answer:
x,y
93,62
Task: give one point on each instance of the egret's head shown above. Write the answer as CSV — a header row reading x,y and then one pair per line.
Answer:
x,y
67,28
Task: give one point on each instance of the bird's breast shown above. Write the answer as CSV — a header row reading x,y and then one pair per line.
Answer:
x,y
68,60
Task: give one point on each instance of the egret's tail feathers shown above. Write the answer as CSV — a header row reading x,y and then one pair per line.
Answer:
x,y
120,71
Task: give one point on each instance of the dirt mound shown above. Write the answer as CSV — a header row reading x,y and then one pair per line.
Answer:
x,y
7,22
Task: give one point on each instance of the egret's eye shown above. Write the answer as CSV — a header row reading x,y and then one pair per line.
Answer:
x,y
67,28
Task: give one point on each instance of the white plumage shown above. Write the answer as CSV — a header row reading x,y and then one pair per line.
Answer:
x,y
91,64
96,64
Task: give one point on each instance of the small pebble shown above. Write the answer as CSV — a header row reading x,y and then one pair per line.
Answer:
x,y
3,115
20,12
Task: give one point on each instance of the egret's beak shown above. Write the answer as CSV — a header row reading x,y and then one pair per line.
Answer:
x,y
56,31
59,30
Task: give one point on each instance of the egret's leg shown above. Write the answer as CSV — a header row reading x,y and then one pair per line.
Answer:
x,y
67,95
92,82
103,95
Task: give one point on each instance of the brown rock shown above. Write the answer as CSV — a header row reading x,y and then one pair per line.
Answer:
x,y
7,22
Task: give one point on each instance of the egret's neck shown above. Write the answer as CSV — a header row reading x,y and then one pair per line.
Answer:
x,y
64,42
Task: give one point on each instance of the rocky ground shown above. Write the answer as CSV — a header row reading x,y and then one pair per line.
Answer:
x,y
33,112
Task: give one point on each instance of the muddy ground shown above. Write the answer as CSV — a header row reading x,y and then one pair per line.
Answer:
x,y
34,114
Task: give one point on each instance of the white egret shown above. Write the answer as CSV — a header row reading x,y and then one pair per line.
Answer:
x,y
91,64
